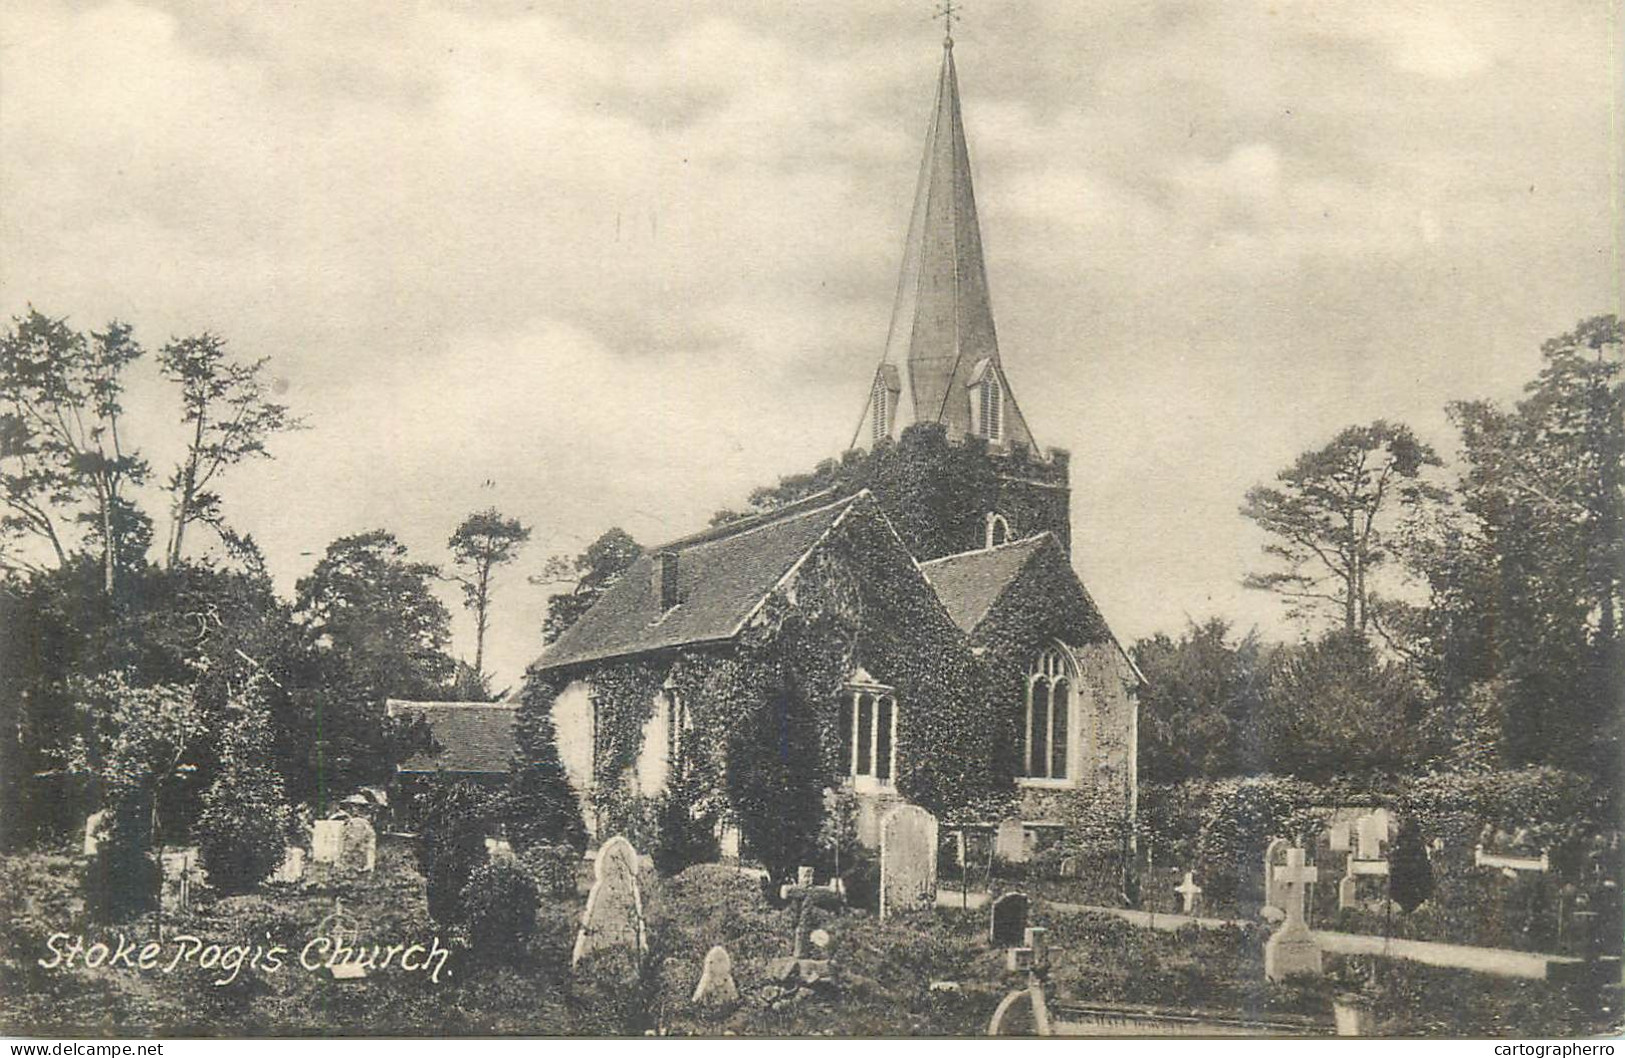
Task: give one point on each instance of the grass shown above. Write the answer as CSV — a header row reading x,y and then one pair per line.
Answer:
x,y
882,975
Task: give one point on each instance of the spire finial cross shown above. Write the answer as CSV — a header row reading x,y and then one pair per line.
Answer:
x,y
948,11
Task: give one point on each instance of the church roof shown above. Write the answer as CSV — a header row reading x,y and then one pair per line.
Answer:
x,y
943,308
722,576
970,583
476,737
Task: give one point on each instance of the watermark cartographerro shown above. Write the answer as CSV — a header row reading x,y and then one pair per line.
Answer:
x,y
65,951
1553,1050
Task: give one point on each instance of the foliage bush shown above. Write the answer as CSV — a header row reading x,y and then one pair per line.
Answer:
x,y
498,905
539,806
242,831
553,869
1410,875
453,817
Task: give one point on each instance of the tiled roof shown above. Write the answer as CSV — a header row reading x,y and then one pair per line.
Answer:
x,y
476,737
970,583
722,575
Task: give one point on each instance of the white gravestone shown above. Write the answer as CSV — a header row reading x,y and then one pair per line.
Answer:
x,y
326,840
1291,950
1188,892
360,846
614,914
1274,900
95,830
1010,842
292,868
1371,832
908,860
716,987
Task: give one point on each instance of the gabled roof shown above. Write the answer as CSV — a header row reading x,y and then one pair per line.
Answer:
x,y
722,577
476,737
970,583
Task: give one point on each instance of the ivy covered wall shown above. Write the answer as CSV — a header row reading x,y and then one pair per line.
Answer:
x,y
764,742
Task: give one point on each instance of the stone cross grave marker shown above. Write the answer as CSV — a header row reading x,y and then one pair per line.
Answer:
x,y
908,860
716,987
1188,892
1007,923
1010,842
1274,899
360,849
180,871
344,935
327,840
797,967
1291,950
614,914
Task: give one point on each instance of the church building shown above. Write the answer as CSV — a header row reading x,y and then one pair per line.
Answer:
x,y
896,643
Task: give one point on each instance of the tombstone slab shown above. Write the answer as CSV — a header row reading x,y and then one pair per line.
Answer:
x,y
359,849
1007,924
716,987
327,840
1274,897
1010,842
292,868
1371,832
908,860
95,826
613,917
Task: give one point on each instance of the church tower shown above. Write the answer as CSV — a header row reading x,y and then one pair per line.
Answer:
x,y
941,363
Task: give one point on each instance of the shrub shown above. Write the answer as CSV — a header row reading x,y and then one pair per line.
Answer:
x,y
453,817
1242,818
552,868
242,831
123,879
1410,879
499,908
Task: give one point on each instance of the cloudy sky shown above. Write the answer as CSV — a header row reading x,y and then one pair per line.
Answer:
x,y
628,261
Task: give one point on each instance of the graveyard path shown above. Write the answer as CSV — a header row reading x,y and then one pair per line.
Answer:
x,y
1502,962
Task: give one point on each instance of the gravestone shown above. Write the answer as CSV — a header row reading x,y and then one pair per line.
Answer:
x,y
327,840
1291,950
908,860
613,917
1371,832
500,850
94,831
1341,836
1010,842
343,934
1069,867
716,987
1007,923
1189,892
359,850
180,872
797,968
292,868
1274,900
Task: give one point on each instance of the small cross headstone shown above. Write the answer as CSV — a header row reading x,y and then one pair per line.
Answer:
x,y
797,967
908,860
716,987
1188,892
1010,842
344,937
1292,950
1007,922
613,917
359,851
327,840
180,871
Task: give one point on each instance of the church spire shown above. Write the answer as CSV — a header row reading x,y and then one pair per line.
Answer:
x,y
942,324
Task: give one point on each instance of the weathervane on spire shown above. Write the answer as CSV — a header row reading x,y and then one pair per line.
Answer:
x,y
948,11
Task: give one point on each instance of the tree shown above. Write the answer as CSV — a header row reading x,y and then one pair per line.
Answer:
x,y
224,403
592,572
453,816
1201,701
1542,559
1333,707
1328,518
539,807
483,542
60,445
243,829
372,629
775,782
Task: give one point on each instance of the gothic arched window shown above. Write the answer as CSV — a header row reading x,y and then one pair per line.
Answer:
x,y
998,530
881,426
1048,716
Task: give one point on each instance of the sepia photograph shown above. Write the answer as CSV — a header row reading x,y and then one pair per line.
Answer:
x,y
883,518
